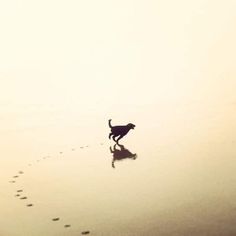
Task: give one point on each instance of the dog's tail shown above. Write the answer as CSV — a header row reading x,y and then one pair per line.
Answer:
x,y
109,123
113,164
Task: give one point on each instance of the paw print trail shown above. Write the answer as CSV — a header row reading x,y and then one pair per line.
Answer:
x,y
20,193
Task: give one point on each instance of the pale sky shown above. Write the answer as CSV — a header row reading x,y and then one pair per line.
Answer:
x,y
81,53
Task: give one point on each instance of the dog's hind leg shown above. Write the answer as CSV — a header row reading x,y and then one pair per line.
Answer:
x,y
120,137
113,137
111,150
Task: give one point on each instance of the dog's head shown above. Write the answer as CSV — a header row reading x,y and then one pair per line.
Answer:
x,y
131,126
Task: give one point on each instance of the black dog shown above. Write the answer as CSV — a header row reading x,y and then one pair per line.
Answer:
x,y
119,131
121,154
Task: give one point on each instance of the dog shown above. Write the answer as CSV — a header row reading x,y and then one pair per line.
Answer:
x,y
121,154
119,131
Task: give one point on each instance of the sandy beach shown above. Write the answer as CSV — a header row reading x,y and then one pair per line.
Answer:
x,y
67,67
181,182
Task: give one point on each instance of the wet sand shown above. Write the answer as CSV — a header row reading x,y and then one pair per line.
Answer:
x,y
180,182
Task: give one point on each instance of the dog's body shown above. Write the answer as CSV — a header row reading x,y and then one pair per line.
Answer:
x,y
119,131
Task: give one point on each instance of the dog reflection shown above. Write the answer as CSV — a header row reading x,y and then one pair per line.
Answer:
x,y
121,154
